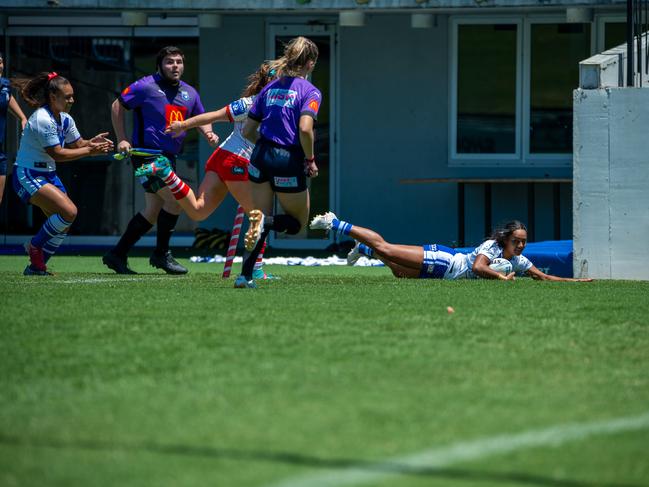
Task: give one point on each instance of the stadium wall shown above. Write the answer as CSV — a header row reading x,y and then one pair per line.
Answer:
x,y
611,177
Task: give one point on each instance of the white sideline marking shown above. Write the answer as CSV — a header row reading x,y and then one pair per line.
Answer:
x,y
94,280
466,451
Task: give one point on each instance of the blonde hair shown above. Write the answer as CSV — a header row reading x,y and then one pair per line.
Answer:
x,y
297,53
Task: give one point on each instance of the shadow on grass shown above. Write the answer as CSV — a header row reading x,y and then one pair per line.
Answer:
x,y
301,460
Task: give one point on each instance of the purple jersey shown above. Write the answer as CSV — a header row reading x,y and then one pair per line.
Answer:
x,y
279,106
157,103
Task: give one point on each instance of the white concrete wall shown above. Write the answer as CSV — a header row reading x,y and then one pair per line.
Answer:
x,y
608,69
611,183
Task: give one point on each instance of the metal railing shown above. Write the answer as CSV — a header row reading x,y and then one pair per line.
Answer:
x,y
637,24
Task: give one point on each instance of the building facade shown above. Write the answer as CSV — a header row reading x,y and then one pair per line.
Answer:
x,y
440,118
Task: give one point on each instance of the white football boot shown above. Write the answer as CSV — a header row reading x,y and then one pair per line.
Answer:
x,y
323,222
354,254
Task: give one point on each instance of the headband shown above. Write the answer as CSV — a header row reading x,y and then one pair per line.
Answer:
x,y
51,76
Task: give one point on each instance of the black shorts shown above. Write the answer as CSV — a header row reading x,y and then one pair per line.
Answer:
x,y
281,166
151,184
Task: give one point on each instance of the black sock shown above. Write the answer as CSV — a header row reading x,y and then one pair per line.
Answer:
x,y
249,262
136,228
282,223
166,224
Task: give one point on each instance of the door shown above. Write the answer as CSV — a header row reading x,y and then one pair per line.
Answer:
x,y
323,188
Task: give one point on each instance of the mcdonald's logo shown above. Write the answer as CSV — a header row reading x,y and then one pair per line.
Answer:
x,y
314,105
174,113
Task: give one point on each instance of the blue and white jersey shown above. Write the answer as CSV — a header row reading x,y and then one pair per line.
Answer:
x,y
236,143
41,132
462,264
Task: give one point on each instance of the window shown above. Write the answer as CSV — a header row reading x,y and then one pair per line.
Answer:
x,y
511,88
614,34
555,53
486,89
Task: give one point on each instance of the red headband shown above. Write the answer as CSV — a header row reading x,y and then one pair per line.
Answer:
x,y
51,76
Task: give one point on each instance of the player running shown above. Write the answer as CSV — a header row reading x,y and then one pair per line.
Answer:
x,y
50,136
440,262
227,168
156,101
280,122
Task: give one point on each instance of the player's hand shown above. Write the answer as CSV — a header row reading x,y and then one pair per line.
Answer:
x,y
124,146
310,167
509,277
176,129
102,139
212,139
99,148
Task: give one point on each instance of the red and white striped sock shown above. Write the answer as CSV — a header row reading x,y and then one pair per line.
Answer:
x,y
260,258
177,186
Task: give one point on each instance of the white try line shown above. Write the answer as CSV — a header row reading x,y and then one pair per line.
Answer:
x,y
92,280
465,451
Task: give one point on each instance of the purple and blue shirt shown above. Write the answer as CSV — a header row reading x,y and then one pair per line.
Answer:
x,y
156,103
279,106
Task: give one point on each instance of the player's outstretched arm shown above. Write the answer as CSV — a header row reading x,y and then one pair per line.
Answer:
x,y
177,128
537,274
99,139
64,154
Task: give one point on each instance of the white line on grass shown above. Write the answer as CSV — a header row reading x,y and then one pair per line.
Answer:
x,y
95,280
466,451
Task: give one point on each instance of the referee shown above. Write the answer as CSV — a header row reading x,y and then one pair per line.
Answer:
x,y
156,101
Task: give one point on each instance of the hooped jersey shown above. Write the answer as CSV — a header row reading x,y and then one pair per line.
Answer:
x,y
42,132
462,264
236,143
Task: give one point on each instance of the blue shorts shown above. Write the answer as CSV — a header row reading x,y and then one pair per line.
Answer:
x,y
281,166
437,259
27,182
3,163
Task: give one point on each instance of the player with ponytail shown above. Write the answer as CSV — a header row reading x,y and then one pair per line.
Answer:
x,y
280,122
50,137
435,261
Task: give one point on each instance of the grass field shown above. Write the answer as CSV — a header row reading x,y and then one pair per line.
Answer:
x,y
329,376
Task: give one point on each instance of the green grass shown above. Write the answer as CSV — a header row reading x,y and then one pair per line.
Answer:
x,y
184,381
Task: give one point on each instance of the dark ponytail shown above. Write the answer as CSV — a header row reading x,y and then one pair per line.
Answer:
x,y
257,80
36,91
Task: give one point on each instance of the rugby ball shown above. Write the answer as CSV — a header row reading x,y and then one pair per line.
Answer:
x,y
501,265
